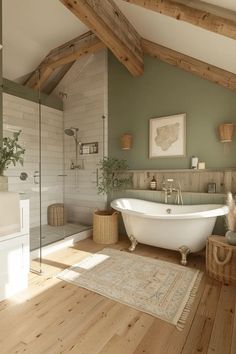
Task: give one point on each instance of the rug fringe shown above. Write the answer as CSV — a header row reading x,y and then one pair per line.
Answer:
x,y
183,318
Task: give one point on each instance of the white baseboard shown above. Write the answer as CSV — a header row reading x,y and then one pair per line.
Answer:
x,y
66,242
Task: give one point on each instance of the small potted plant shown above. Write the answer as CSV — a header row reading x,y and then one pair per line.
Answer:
x,y
112,178
10,153
231,220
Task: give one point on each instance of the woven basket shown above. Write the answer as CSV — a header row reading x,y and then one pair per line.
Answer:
x,y
105,227
56,214
221,260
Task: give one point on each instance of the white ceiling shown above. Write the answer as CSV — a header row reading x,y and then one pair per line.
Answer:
x,y
31,28
227,4
182,36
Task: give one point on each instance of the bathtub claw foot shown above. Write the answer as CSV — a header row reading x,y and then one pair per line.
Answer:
x,y
134,243
184,251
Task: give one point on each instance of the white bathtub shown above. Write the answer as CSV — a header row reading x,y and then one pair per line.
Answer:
x,y
175,227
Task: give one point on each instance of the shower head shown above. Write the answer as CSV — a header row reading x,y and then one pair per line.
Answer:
x,y
72,132
69,131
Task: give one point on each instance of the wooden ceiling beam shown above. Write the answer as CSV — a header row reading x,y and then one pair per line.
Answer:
x,y
192,65
107,21
200,15
49,87
65,54
85,44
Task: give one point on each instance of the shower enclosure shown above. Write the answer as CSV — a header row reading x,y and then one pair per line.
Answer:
x,y
63,149
46,175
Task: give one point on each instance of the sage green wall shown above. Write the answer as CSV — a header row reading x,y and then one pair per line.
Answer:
x,y
161,91
15,89
1,108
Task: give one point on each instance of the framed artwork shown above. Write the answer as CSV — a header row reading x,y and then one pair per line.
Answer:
x,y
167,136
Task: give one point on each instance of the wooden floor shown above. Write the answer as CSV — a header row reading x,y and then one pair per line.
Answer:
x,y
57,317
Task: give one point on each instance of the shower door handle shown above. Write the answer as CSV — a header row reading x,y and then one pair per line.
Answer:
x,y
36,176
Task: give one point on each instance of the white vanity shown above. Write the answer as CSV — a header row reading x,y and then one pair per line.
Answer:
x,y
14,257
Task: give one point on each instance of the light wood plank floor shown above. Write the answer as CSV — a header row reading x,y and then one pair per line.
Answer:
x,y
57,317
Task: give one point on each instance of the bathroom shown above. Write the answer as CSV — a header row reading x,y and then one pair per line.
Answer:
x,y
81,101
72,88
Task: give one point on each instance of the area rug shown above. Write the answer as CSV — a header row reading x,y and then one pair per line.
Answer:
x,y
161,289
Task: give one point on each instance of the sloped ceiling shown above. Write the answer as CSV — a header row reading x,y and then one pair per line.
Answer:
x,y
182,36
31,28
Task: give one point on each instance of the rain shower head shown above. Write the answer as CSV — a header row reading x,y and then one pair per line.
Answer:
x,y
73,132
70,131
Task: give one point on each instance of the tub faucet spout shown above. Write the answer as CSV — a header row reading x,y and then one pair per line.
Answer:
x,y
169,190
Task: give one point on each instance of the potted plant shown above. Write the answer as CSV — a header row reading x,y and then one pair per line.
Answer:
x,y
112,178
10,153
231,220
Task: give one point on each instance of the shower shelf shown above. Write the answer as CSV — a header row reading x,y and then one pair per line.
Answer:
x,y
89,148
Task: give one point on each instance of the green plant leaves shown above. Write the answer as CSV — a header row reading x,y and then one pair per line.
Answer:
x,y
113,176
11,152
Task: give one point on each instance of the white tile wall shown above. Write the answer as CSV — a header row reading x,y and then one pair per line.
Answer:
x,y
21,114
86,86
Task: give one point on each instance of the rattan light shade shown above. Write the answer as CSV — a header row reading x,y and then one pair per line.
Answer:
x,y
226,131
126,141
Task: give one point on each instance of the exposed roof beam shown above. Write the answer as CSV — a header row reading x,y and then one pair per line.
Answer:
x,y
184,10
107,21
67,53
196,67
49,87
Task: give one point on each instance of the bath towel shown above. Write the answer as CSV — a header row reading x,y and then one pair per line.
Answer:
x,y
9,213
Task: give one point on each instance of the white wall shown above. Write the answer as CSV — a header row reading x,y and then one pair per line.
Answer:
x,y
21,114
86,87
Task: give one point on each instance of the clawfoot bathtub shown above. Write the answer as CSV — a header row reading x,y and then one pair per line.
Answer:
x,y
176,227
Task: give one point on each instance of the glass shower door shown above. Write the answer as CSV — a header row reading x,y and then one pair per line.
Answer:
x,y
23,115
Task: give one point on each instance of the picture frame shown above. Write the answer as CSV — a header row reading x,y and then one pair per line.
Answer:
x,y
167,136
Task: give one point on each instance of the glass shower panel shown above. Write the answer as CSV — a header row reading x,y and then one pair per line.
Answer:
x,y
23,115
53,216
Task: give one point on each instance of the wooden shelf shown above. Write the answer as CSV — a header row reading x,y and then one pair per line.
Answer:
x,y
183,192
189,170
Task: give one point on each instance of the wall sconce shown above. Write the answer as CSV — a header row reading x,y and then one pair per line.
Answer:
x,y
126,141
226,131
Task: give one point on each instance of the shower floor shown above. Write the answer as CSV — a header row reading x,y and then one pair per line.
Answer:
x,y
52,234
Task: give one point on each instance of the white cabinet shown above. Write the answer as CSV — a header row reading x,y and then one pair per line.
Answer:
x,y
14,257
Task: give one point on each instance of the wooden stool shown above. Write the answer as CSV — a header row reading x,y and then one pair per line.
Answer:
x,y
56,214
221,260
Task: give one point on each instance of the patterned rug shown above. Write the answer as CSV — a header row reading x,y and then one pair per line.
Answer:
x,y
161,289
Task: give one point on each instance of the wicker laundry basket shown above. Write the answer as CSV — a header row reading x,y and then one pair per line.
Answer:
x,y
221,260
105,227
56,214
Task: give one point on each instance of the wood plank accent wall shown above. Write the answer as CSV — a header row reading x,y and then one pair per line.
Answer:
x,y
190,181
107,21
194,16
195,66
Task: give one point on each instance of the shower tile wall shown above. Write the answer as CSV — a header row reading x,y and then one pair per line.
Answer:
x,y
21,114
85,102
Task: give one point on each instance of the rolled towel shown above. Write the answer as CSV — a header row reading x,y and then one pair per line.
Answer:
x,y
9,213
